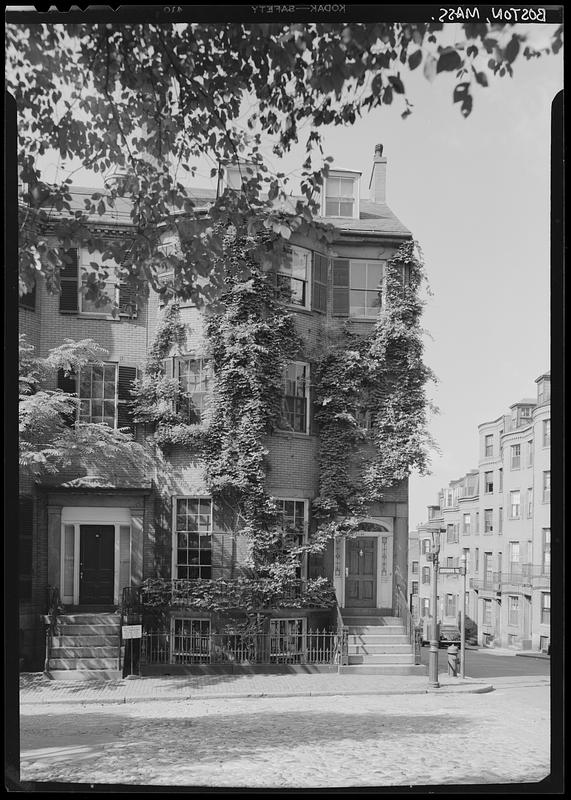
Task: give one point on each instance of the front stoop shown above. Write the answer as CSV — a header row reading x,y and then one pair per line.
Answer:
x,y
86,647
378,645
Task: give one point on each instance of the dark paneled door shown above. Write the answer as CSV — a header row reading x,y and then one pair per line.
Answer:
x,y
361,573
97,561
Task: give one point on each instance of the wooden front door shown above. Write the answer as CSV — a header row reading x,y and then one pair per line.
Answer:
x,y
361,573
97,564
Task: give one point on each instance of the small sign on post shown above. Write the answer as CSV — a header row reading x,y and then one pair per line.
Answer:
x,y
451,570
132,631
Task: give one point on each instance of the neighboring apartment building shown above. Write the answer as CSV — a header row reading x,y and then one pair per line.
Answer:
x,y
92,536
499,517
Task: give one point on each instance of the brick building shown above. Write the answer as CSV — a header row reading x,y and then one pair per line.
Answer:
x,y
499,517
92,536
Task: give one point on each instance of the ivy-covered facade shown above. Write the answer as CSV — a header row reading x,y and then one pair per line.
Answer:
x,y
281,424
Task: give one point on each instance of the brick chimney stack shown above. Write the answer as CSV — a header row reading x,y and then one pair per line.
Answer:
x,y
378,182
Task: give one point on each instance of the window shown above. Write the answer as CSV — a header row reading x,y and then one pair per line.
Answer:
x,y
466,523
501,480
426,575
545,608
293,522
449,561
514,504
488,520
500,519
365,295
293,275
194,377
477,560
25,552
530,453
424,606
500,564
450,609
547,486
286,640
515,456
415,567
296,397
425,546
319,286
488,482
191,640
450,535
488,573
415,587
98,394
28,300
193,538
488,445
544,390
513,610
487,613
546,550
477,525
546,432
340,197
530,502
514,552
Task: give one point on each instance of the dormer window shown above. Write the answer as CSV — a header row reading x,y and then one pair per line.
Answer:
x,y
543,390
342,195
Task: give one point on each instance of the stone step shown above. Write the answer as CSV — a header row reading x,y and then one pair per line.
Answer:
x,y
81,640
383,669
93,675
375,630
373,649
89,630
103,618
73,664
84,652
382,658
378,638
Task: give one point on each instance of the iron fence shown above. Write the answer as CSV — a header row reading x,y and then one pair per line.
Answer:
x,y
312,647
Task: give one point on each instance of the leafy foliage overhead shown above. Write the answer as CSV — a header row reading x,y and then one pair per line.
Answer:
x,y
147,100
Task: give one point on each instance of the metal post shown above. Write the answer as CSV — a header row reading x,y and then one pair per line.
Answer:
x,y
433,654
463,621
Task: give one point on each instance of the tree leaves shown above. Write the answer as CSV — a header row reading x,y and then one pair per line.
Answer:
x,y
448,60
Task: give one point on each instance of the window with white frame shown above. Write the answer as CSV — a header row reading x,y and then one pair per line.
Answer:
x,y
546,432
466,524
514,556
488,445
193,538
294,275
488,520
501,480
530,453
97,391
545,608
424,606
292,518
450,534
449,561
365,287
488,571
415,567
488,482
515,501
295,415
414,587
477,523
487,613
543,390
195,378
450,608
426,575
340,196
513,610
500,519
547,486
425,546
477,559
515,456
546,550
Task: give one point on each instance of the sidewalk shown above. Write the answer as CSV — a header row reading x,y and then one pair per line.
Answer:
x,y
38,688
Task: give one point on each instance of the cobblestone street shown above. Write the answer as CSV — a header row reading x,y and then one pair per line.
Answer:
x,y
392,740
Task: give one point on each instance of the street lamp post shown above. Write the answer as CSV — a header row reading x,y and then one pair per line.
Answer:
x,y
463,621
433,655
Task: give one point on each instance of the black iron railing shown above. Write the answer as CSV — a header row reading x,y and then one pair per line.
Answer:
x,y
342,641
312,647
52,621
412,631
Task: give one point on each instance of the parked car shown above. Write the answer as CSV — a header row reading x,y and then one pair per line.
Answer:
x,y
449,634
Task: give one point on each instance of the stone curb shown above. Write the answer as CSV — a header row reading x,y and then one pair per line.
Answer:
x,y
465,689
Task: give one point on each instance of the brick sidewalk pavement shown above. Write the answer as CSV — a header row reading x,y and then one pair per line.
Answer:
x,y
38,688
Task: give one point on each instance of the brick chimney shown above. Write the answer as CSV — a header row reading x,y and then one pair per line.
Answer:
x,y
378,182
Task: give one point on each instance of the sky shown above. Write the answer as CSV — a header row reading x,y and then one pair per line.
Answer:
x,y
475,193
